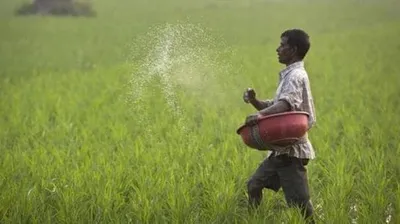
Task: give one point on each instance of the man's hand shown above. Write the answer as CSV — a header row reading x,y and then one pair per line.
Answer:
x,y
252,119
249,95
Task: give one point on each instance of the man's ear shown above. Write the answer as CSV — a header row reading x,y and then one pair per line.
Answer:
x,y
294,50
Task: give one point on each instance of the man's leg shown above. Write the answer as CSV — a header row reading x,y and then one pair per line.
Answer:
x,y
293,176
264,177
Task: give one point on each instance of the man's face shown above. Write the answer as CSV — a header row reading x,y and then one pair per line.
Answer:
x,y
285,53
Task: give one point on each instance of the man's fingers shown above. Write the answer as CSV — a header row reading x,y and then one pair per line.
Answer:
x,y
252,119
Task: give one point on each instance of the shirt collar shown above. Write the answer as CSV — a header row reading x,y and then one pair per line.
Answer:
x,y
285,71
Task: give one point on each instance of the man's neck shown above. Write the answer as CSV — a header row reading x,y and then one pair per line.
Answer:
x,y
295,60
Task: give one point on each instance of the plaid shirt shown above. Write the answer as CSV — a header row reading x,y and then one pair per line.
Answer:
x,y
294,87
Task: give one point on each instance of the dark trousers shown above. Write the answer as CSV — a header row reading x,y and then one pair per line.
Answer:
x,y
287,172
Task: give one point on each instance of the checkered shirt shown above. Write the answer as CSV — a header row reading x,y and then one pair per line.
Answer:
x,y
294,87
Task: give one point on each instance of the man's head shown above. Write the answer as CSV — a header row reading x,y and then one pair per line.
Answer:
x,y
293,47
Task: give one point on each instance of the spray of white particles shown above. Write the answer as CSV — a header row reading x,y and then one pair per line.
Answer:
x,y
178,57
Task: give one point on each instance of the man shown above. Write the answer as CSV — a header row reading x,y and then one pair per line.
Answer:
x,y
285,167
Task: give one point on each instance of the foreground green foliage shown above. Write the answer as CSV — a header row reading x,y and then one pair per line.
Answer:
x,y
77,148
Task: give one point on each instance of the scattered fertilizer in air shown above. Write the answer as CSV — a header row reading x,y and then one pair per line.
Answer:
x,y
170,59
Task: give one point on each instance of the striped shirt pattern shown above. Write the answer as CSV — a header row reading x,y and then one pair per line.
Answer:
x,y
294,87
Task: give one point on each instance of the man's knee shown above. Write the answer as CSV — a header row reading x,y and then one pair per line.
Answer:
x,y
254,186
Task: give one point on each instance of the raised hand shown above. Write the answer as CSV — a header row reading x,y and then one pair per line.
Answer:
x,y
249,95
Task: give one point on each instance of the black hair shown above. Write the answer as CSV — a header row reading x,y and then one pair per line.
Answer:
x,y
298,38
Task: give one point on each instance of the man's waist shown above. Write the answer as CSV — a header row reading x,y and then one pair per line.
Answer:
x,y
301,140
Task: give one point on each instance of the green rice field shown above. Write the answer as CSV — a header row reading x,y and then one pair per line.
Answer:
x,y
130,116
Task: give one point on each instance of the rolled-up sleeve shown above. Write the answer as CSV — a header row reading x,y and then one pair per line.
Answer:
x,y
291,92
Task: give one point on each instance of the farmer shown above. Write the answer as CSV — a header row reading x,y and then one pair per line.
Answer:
x,y
286,167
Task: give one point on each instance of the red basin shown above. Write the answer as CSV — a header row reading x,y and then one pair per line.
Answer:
x,y
280,129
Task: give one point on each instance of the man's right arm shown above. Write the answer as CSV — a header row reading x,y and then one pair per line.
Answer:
x,y
249,96
260,105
